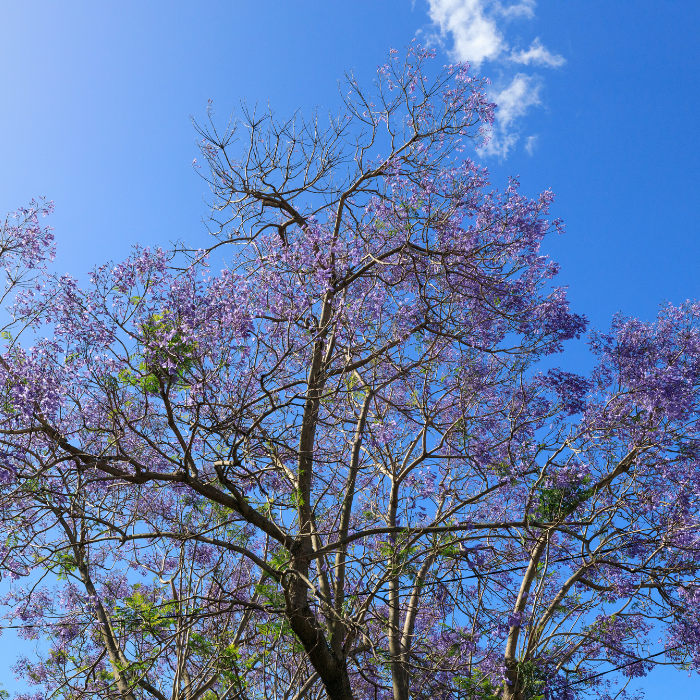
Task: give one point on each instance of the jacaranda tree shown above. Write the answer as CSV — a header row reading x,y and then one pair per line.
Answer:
x,y
334,469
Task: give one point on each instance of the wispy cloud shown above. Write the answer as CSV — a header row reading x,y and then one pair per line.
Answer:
x,y
538,55
531,143
524,8
476,28
513,103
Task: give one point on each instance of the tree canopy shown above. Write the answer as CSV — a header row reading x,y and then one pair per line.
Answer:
x,y
335,468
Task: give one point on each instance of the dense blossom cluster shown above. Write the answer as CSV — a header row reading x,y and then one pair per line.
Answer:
x,y
334,467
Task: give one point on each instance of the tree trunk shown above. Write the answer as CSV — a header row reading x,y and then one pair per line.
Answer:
x,y
331,667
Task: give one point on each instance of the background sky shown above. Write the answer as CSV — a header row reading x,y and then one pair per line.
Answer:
x,y
599,100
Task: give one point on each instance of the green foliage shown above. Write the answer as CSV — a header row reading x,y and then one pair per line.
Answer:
x,y
152,373
476,687
501,469
66,564
225,655
269,590
280,559
296,498
140,613
531,679
556,502
200,645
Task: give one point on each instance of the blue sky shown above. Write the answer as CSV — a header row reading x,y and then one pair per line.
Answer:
x,y
599,101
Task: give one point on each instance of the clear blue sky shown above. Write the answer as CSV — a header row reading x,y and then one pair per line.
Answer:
x,y
600,102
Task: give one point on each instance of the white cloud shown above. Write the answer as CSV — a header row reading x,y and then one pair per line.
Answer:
x,y
524,8
531,143
538,55
513,103
476,29
476,36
